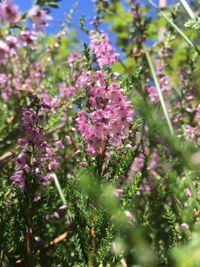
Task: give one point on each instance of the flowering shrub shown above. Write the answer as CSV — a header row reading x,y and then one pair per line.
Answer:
x,y
99,140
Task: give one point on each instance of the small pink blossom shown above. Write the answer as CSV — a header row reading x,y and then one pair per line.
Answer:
x,y
185,226
4,50
18,179
9,12
188,192
38,17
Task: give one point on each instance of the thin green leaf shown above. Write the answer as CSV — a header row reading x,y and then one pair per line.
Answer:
x,y
158,90
188,8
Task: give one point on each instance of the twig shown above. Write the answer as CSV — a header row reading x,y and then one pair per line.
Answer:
x,y
54,242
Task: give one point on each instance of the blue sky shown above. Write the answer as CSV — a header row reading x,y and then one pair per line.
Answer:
x,y
85,7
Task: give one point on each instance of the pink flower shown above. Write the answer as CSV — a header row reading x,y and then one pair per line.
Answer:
x,y
128,214
18,179
102,48
185,226
136,166
57,215
67,91
9,12
109,117
73,59
27,37
188,192
197,115
159,67
154,160
53,165
83,164
153,94
4,49
12,42
38,17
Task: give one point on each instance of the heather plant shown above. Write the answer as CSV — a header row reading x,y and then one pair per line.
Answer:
x,y
99,139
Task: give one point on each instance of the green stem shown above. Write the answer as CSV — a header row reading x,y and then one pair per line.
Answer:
x,y
158,90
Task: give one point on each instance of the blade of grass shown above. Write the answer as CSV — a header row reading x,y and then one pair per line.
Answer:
x,y
61,194
175,27
158,90
188,9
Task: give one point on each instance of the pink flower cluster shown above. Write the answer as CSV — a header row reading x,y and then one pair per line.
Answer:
x,y
10,45
107,120
32,160
102,48
164,83
136,166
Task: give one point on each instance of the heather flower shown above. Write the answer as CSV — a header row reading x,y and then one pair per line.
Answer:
x,y
9,12
33,143
128,214
163,80
27,37
154,160
18,179
67,91
12,43
188,192
100,44
57,215
4,50
136,166
191,131
159,67
153,94
185,226
72,58
197,114
38,17
108,121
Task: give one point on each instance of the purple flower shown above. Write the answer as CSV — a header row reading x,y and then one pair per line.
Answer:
x,y
27,37
4,49
102,48
18,179
136,166
109,117
57,215
38,17
9,12
12,43
154,160
188,192
153,94
185,226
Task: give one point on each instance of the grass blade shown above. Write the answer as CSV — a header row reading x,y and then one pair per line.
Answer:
x,y
158,90
62,197
188,9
